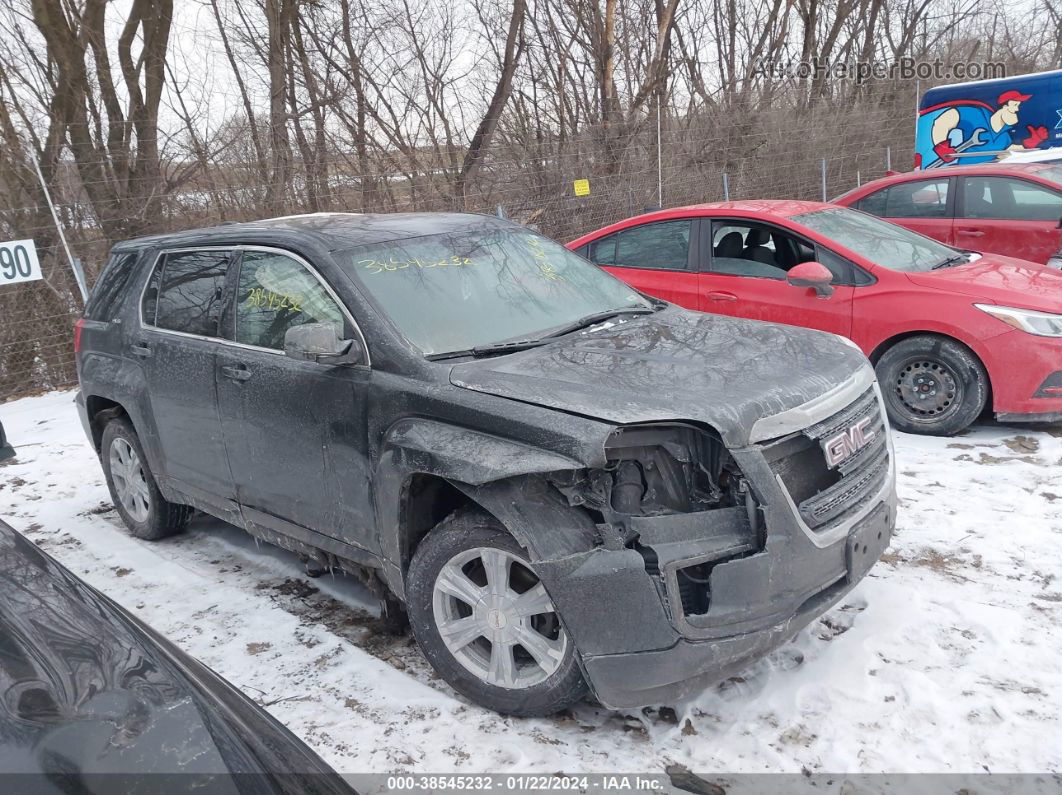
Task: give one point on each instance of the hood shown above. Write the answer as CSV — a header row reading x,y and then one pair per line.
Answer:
x,y
674,365
1000,280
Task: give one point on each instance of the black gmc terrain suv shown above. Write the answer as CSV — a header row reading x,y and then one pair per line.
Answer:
x,y
565,484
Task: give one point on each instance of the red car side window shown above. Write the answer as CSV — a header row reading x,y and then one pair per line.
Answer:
x,y
665,245
875,202
1009,199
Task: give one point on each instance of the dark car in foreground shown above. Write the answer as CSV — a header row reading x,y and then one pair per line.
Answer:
x,y
564,482
92,700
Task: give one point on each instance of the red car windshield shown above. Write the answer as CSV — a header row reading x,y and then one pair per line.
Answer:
x,y
878,241
1053,173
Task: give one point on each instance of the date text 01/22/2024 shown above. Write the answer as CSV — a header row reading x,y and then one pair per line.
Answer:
x,y
529,783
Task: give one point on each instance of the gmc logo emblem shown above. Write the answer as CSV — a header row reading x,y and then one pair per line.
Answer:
x,y
847,443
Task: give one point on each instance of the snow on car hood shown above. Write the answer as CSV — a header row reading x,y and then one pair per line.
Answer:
x,y
673,365
1000,280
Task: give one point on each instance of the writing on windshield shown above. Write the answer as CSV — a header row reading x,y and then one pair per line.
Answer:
x,y
461,290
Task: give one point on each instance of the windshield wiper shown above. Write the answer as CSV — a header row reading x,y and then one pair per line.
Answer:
x,y
600,317
510,346
951,261
491,349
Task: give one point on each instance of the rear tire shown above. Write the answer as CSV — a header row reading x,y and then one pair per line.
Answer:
x,y
135,493
505,647
932,385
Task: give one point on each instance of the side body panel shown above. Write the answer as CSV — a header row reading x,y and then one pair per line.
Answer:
x,y
678,287
777,301
295,436
1033,239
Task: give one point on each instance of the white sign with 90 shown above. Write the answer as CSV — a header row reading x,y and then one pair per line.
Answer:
x,y
18,262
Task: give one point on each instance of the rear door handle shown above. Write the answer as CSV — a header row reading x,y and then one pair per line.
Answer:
x,y
970,232
240,373
719,295
143,351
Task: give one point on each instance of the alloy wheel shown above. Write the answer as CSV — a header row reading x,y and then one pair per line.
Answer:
x,y
494,615
130,482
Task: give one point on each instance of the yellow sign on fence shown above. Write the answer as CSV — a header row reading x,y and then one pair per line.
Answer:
x,y
582,187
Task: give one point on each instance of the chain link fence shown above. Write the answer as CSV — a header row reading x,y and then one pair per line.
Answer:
x,y
768,155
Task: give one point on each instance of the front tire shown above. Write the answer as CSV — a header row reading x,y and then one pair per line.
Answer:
x,y
484,621
135,493
932,385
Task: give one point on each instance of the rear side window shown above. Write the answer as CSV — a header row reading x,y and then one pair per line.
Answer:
x,y
874,203
927,198
921,199
664,244
110,286
277,293
186,292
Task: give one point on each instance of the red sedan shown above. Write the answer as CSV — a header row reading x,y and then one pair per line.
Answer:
x,y
949,332
992,207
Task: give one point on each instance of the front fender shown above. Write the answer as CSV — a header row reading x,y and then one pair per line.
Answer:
x,y
492,470
470,456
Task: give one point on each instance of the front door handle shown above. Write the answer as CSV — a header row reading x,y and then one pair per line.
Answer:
x,y
971,232
719,295
240,373
141,350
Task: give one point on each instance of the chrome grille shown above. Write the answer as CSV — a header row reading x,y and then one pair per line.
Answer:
x,y
825,495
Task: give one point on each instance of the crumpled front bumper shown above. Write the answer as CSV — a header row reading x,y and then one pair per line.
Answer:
x,y
665,675
625,613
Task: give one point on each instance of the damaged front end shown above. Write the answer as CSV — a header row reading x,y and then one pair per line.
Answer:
x,y
703,558
670,492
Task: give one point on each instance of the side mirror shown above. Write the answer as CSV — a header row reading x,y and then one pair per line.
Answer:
x,y
320,342
811,274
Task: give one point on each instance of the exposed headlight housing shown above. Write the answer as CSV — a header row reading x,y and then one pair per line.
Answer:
x,y
1042,324
656,470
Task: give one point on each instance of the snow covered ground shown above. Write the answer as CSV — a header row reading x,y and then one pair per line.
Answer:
x,y
945,659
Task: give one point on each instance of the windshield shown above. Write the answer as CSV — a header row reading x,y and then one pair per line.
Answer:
x,y
459,290
1053,173
877,241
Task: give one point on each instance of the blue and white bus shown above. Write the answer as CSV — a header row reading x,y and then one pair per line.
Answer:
x,y
983,121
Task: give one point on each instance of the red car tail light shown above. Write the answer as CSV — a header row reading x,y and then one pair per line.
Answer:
x,y
80,324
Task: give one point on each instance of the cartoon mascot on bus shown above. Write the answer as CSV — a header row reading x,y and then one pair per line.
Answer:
x,y
969,131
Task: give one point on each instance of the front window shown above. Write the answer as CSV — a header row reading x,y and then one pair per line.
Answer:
x,y
1053,173
276,293
756,250
878,241
1008,199
458,290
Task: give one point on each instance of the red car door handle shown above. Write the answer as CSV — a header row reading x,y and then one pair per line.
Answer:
x,y
971,232
719,295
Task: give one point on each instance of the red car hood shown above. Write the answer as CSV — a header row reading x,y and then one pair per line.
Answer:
x,y
1000,280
